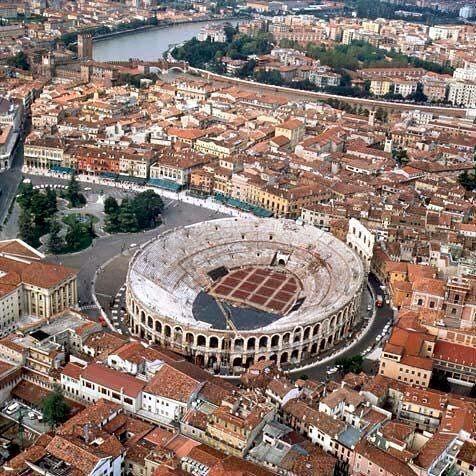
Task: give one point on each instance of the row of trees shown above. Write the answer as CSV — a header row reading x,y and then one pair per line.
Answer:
x,y
131,215
361,54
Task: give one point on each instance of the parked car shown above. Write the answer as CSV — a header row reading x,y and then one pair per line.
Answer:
x,y
12,408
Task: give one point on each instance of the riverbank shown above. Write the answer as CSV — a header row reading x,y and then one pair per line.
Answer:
x,y
149,42
162,26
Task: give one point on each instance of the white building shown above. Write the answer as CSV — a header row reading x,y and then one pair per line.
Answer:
x,y
96,381
30,287
462,93
168,394
361,240
11,114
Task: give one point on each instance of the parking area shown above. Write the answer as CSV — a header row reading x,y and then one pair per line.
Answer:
x,y
31,419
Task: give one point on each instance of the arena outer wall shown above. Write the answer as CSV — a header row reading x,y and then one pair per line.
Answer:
x,y
230,350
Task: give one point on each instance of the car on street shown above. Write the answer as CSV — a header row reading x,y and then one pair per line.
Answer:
x,y
12,408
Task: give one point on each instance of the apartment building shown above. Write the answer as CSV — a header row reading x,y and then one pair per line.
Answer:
x,y
43,152
462,93
407,356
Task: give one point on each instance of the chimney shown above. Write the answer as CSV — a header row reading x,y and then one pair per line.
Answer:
x,y
86,433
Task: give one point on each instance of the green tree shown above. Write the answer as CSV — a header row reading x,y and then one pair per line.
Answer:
x,y
51,201
26,193
73,193
468,180
111,206
27,229
112,223
127,219
400,156
247,69
147,207
20,60
74,236
54,407
55,241
269,77
350,364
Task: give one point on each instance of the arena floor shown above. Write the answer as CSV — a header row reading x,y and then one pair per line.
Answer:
x,y
265,289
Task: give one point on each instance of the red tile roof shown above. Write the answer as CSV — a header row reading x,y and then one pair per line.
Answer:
x,y
113,379
458,354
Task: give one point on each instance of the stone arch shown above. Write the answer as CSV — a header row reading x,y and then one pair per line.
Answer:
x,y
158,326
167,331
333,323
286,338
238,344
201,340
212,361
150,322
314,348
263,342
294,355
142,317
330,340
214,343
250,361
176,68
275,341
261,358
307,333
178,334
274,358
297,334
251,343
237,362
189,338
316,330
284,358
199,360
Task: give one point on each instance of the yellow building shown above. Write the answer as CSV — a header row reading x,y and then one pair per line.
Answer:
x,y
380,86
292,129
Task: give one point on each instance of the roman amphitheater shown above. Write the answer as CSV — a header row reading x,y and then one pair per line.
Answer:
x,y
232,291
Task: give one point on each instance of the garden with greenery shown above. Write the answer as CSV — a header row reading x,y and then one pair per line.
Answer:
x,y
140,213
38,217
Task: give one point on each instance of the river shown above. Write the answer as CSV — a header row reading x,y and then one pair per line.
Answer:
x,y
147,44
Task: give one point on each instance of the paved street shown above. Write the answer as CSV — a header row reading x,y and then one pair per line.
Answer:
x,y
384,315
9,181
